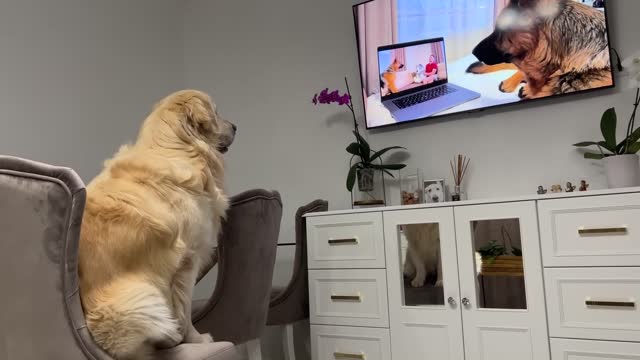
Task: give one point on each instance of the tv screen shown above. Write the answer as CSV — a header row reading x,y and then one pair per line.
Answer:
x,y
421,59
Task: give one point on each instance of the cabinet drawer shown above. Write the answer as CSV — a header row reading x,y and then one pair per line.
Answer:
x,y
594,303
591,231
346,343
352,241
348,297
565,349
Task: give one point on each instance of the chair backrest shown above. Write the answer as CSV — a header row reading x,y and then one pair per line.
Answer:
x,y
237,310
293,303
40,216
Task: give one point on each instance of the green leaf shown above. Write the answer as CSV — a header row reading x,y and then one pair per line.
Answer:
x,y
633,149
388,166
585,144
351,177
593,156
605,146
608,127
354,149
383,151
365,148
632,139
388,173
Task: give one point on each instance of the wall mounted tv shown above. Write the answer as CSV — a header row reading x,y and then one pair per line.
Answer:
x,y
421,59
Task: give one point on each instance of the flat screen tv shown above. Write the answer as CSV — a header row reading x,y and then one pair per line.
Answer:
x,y
421,59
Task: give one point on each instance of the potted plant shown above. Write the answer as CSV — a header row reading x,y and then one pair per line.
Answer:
x,y
365,162
495,260
621,161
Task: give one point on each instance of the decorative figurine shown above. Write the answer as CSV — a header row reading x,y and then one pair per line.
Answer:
x,y
583,185
541,190
556,189
570,187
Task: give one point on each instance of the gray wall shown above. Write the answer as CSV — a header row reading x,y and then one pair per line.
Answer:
x,y
263,60
78,77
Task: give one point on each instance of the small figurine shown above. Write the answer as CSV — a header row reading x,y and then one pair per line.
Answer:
x,y
583,185
570,187
556,189
541,190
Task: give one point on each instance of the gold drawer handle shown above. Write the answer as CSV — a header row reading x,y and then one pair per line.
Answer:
x,y
349,241
622,304
621,230
340,355
357,298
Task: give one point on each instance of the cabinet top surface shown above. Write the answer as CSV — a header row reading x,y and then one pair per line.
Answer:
x,y
563,195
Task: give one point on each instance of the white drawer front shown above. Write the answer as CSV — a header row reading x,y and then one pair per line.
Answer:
x,y
345,343
348,297
352,241
594,303
591,231
565,349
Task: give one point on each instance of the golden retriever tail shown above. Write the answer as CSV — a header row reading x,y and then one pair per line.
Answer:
x,y
133,320
479,67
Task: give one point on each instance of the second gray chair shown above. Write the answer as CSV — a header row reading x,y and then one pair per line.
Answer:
x,y
237,310
291,304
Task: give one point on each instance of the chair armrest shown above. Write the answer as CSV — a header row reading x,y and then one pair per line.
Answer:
x,y
206,267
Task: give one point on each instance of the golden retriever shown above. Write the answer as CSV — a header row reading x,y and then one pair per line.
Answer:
x,y
151,220
423,253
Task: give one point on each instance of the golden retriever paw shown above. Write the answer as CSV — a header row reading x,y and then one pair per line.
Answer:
x,y
417,282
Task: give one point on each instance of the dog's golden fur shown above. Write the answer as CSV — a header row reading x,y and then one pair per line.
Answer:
x,y
423,253
151,220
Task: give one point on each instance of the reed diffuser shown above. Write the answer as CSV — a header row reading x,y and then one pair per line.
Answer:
x,y
459,166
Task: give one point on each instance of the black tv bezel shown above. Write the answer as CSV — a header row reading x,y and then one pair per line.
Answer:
x,y
513,104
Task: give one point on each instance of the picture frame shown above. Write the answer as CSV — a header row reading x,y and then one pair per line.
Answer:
x,y
434,191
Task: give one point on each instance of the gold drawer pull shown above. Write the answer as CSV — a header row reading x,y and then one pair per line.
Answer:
x,y
343,241
621,230
357,298
623,304
340,355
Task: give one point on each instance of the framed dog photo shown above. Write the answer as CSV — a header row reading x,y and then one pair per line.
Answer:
x,y
434,191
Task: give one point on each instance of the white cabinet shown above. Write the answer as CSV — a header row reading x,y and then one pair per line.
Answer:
x,y
424,324
459,316
553,277
591,231
348,297
346,241
349,343
494,328
567,349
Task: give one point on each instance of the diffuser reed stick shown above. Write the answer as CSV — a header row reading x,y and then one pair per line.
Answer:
x,y
459,166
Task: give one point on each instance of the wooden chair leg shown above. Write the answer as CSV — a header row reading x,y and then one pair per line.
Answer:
x,y
254,351
288,347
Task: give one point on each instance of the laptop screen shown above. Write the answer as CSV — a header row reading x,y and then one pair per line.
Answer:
x,y
410,67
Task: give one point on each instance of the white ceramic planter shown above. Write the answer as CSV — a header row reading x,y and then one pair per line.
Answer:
x,y
622,171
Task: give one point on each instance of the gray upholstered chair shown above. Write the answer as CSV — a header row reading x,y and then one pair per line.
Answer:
x,y
237,310
40,312
290,304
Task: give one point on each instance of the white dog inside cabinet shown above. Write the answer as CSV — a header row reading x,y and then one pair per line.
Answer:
x,y
543,277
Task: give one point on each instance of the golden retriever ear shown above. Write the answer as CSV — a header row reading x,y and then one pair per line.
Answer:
x,y
200,113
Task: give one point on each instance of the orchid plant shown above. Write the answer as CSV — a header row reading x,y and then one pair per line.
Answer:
x,y
608,124
360,149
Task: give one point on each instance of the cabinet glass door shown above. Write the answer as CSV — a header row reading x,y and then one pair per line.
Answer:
x,y
422,276
503,308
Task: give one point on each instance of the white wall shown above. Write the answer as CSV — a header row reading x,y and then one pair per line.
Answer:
x,y
263,60
78,77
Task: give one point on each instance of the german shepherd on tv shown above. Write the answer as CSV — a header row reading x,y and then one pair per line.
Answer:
x,y
557,46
